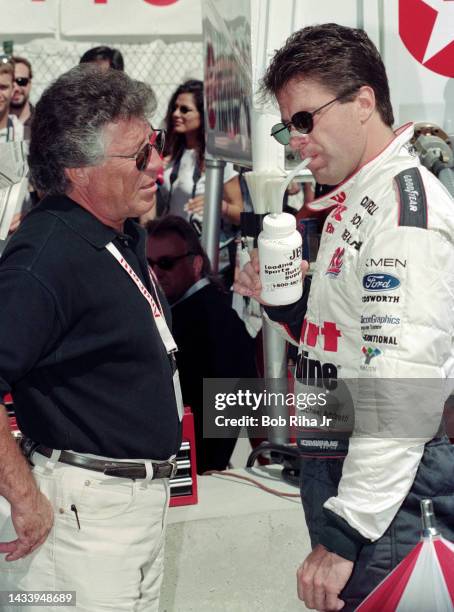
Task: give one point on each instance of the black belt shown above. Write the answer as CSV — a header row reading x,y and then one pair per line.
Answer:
x,y
121,469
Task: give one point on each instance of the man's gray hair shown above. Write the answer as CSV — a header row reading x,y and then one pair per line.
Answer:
x,y
70,117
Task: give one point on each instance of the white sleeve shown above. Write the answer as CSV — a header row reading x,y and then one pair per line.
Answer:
x,y
407,377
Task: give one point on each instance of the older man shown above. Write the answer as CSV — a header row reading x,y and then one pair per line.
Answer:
x,y
379,311
87,353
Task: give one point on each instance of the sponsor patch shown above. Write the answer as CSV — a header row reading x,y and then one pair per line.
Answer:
x,y
393,299
369,353
380,339
369,205
380,319
336,262
312,333
380,282
413,203
386,262
348,238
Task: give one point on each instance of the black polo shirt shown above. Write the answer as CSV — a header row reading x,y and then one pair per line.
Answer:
x,y
79,348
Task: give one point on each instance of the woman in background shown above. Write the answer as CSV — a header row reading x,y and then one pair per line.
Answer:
x,y
183,192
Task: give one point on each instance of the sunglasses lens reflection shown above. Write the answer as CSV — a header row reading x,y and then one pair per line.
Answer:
x,y
159,141
143,157
281,133
303,122
22,81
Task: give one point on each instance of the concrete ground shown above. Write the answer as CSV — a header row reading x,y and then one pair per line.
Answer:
x,y
237,550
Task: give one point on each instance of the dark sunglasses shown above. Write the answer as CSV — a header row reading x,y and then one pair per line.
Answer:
x,y
142,156
166,262
22,81
184,110
303,121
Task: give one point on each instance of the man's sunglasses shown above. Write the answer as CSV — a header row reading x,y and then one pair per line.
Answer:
x,y
184,110
22,81
142,156
166,262
303,121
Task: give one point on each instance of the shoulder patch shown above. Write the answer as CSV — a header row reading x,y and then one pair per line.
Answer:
x,y
413,203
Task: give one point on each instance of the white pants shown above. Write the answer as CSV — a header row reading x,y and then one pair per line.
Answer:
x,y
114,561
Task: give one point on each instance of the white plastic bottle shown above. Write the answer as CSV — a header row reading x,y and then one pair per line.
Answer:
x,y
280,254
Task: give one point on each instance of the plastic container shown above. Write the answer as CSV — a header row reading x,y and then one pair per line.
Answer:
x,y
280,254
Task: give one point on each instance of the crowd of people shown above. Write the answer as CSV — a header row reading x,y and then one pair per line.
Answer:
x,y
108,328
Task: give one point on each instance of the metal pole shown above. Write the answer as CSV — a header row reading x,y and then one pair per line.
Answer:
x,y
275,366
360,14
214,172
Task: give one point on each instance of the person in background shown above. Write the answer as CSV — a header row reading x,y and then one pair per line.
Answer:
x,y
105,57
20,104
212,340
183,192
11,129
95,386
379,314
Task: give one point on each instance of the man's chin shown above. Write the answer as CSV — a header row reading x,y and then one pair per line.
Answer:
x,y
17,105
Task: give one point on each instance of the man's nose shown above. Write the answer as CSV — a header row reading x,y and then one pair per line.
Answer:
x,y
298,140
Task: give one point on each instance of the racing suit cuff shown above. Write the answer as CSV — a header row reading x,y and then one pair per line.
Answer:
x,y
293,314
340,538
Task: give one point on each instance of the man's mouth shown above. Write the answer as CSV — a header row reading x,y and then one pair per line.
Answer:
x,y
152,186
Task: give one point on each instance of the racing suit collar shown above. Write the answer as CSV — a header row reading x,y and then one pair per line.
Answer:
x,y
328,200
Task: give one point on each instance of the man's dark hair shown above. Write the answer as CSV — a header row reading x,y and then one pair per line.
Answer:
x,y
175,143
68,125
22,60
339,58
113,56
171,224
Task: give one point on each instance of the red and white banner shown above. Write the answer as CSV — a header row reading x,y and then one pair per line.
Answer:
x,y
28,17
426,28
101,17
131,18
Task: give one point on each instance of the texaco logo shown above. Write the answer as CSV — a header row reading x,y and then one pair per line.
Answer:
x,y
426,28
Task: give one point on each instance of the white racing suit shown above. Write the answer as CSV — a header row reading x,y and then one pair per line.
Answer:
x,y
380,311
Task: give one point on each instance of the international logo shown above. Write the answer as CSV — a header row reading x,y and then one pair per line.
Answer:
x,y
380,282
369,353
336,262
426,28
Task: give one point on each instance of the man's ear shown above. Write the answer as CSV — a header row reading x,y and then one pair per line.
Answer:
x,y
197,265
79,177
366,102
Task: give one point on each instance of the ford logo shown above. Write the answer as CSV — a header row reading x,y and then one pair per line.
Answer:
x,y
380,282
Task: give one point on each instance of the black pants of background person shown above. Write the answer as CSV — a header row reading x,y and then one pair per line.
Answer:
x,y
212,453
434,480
